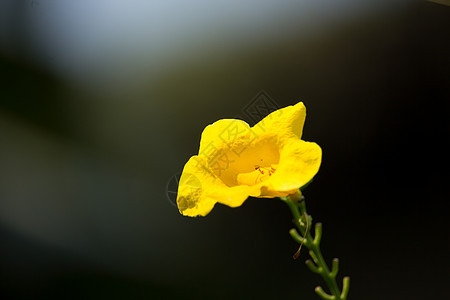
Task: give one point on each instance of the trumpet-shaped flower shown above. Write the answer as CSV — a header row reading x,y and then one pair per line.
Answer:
x,y
236,161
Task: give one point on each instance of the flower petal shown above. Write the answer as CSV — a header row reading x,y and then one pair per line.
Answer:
x,y
224,133
199,190
286,122
299,163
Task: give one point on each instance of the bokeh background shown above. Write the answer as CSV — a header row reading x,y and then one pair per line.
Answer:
x,y
102,103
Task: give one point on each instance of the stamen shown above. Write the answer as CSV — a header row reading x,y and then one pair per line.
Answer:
x,y
262,170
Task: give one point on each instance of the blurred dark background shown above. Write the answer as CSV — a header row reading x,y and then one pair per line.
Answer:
x,y
102,103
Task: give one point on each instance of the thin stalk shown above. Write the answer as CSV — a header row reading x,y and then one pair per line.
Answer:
x,y
303,222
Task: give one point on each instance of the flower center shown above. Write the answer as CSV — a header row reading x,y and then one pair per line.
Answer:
x,y
260,174
246,163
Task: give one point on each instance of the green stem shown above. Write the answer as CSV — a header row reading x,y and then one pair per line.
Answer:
x,y
303,223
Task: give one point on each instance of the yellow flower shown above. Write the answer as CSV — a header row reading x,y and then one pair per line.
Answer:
x,y
236,161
